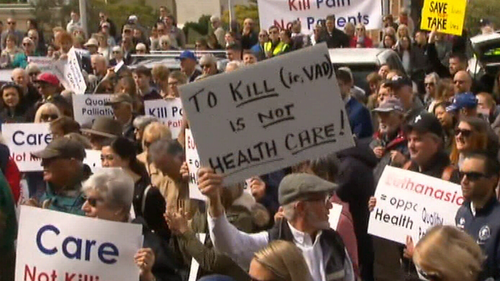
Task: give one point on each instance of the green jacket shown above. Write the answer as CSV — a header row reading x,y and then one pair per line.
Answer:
x,y
69,201
8,221
211,261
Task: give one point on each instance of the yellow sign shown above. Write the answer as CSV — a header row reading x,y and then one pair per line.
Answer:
x,y
446,16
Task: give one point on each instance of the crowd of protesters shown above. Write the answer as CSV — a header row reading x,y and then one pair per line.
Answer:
x,y
432,118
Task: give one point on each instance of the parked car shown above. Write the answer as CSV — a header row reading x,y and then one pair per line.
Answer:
x,y
363,61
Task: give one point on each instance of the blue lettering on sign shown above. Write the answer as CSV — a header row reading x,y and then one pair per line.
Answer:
x,y
20,138
39,239
72,247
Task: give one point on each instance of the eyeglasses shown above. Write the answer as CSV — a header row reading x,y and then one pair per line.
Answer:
x,y
472,176
429,84
49,117
464,132
205,65
93,201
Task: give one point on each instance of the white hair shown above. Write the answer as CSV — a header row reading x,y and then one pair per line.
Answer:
x,y
166,38
114,185
233,65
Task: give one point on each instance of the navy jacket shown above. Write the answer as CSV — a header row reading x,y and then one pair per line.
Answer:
x,y
484,227
359,119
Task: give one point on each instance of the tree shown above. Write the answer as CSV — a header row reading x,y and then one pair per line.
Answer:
x,y
479,9
242,12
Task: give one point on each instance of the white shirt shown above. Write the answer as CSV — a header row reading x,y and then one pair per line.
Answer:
x,y
241,246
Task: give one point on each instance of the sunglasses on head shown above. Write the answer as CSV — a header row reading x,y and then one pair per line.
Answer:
x,y
472,176
465,133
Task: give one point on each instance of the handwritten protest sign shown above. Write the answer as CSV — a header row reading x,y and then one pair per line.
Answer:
x,y
193,161
168,111
87,108
268,116
311,12
409,203
93,159
73,73
23,139
58,246
446,16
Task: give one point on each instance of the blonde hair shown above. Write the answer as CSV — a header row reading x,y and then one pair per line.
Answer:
x,y
50,107
156,131
284,260
432,254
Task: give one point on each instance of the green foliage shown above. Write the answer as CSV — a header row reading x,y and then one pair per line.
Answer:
x,y
478,9
201,27
242,12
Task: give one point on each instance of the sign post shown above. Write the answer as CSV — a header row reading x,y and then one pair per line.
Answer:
x,y
268,116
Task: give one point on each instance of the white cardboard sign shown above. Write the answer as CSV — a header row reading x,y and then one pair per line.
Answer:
x,y
24,139
268,116
193,161
73,73
93,160
168,111
58,246
334,216
87,108
310,12
409,203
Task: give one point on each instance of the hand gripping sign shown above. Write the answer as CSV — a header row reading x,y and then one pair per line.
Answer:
x,y
268,116
58,246
409,203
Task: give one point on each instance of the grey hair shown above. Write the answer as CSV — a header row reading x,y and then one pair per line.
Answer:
x,y
140,122
289,211
166,38
114,185
163,147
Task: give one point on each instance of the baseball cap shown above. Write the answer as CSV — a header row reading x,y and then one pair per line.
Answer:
x,y
187,55
118,98
92,42
62,148
48,78
389,105
464,100
425,123
302,186
397,82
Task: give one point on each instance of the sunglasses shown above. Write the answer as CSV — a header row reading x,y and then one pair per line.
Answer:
x,y
26,44
472,176
465,133
49,116
429,276
205,65
10,22
93,201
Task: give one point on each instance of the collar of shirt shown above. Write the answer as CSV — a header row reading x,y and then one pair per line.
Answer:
x,y
472,209
302,238
347,98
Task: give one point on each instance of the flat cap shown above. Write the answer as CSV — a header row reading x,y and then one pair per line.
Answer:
x,y
302,186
